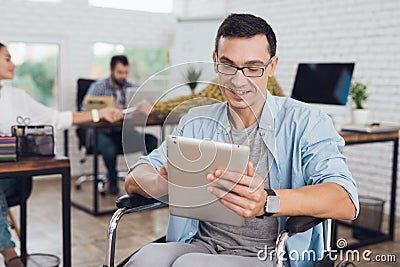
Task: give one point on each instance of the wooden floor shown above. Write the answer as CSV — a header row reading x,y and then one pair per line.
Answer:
x,y
89,232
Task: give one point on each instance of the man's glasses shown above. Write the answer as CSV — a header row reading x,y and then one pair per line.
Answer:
x,y
255,71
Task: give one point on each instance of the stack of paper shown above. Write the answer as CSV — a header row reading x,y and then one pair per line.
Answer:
x,y
371,128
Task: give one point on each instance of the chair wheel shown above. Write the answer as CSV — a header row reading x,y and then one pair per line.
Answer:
x,y
101,188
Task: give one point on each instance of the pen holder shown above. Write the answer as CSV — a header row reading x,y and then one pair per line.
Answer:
x,y
34,140
8,148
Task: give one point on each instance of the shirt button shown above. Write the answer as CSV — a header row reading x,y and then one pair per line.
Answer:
x,y
190,233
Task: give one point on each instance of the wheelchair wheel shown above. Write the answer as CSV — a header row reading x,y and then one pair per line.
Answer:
x,y
346,264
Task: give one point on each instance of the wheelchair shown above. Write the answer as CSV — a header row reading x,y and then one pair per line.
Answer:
x,y
133,203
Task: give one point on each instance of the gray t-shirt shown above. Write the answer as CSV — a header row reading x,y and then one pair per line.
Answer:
x,y
257,233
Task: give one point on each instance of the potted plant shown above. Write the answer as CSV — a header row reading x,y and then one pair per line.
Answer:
x,y
358,92
192,78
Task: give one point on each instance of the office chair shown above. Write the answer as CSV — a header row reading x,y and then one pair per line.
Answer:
x,y
128,204
83,137
84,142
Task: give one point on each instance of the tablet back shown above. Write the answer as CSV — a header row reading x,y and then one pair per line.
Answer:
x,y
189,161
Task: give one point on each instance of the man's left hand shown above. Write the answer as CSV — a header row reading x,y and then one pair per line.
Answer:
x,y
246,194
111,114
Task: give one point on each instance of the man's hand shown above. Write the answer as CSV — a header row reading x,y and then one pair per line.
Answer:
x,y
144,107
164,171
246,194
111,114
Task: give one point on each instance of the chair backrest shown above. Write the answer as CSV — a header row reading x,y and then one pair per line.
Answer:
x,y
83,87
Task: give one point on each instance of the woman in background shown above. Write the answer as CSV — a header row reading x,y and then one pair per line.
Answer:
x,y
13,103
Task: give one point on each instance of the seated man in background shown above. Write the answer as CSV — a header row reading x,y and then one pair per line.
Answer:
x,y
110,139
13,103
209,95
295,160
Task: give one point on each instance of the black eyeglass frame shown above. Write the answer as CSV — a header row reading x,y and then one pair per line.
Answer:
x,y
263,68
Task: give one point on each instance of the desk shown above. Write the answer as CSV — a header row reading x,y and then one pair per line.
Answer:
x,y
133,120
354,138
33,166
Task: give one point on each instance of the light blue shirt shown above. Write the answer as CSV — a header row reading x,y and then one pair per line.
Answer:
x,y
303,149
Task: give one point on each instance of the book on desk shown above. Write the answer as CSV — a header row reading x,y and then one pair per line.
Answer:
x,y
371,127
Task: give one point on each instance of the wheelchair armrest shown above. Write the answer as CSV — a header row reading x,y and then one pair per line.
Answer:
x,y
134,200
298,224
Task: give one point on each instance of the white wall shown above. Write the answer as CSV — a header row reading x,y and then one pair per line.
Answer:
x,y
362,31
76,27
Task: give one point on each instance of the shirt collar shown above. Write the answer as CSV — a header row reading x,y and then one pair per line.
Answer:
x,y
108,83
223,121
266,121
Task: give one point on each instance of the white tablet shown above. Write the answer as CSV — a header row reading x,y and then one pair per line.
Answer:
x,y
189,161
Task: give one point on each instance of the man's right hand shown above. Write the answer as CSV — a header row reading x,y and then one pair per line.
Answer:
x,y
144,107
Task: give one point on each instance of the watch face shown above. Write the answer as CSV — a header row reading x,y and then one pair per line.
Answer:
x,y
273,203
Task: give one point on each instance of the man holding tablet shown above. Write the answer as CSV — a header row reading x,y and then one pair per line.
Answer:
x,y
295,165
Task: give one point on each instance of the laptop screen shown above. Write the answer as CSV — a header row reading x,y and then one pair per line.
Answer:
x,y
135,95
323,83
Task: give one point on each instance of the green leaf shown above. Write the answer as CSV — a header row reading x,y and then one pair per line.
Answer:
x,y
358,92
192,77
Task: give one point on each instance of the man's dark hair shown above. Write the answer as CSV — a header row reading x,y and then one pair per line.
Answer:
x,y
2,45
119,59
246,26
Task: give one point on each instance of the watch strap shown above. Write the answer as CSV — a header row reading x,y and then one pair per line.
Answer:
x,y
270,192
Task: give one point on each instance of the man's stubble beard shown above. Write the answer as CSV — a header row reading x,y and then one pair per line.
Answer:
x,y
120,83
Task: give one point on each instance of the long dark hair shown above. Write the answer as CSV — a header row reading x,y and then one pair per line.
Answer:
x,y
246,25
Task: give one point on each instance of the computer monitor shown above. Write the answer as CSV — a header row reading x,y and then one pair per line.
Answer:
x,y
325,85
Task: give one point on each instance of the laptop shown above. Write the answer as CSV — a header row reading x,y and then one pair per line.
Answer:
x,y
135,95
189,161
98,102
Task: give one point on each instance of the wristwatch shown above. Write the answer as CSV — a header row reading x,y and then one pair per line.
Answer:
x,y
95,115
272,203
